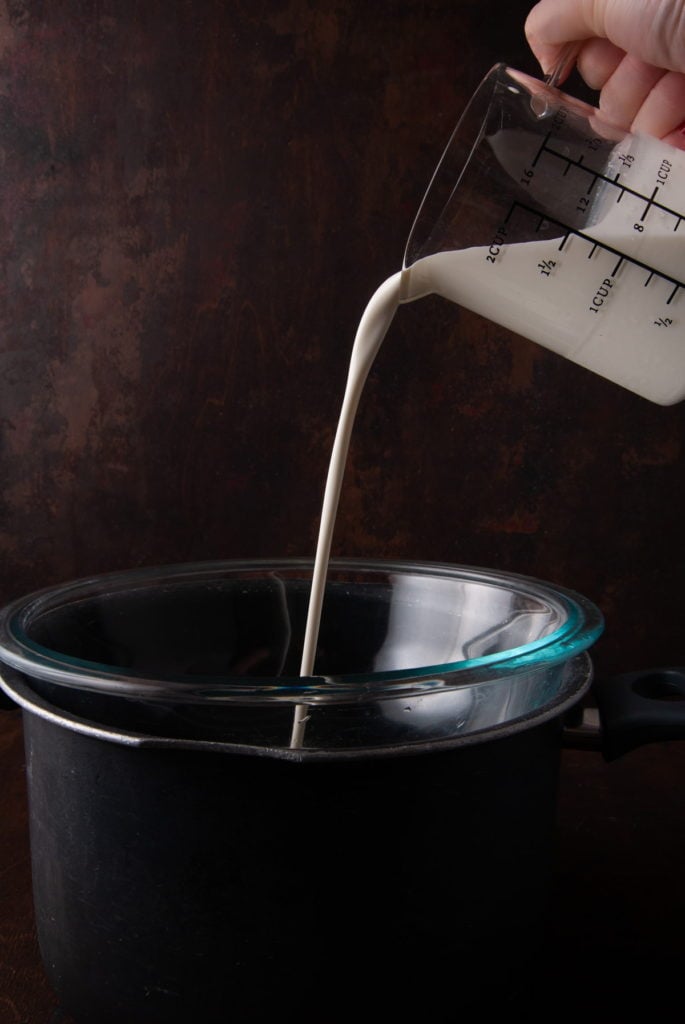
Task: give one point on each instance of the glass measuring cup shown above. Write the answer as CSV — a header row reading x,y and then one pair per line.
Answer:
x,y
562,227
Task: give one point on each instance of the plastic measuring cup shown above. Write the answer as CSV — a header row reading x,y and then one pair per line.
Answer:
x,y
562,227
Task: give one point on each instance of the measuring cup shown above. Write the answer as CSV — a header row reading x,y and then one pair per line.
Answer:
x,y
562,227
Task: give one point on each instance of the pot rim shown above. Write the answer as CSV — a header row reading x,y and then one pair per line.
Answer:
x,y
33,703
581,625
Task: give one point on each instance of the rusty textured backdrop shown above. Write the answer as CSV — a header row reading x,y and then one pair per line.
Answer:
x,y
196,200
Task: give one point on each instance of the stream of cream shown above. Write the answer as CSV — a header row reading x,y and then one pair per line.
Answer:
x,y
373,327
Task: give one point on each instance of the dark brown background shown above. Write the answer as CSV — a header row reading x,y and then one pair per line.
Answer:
x,y
196,201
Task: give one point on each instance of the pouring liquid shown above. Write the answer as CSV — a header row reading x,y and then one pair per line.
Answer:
x,y
372,329
623,318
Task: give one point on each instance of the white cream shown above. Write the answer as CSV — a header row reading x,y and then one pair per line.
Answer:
x,y
611,319
372,329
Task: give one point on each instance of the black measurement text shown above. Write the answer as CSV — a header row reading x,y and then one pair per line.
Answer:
x,y
663,172
601,295
496,245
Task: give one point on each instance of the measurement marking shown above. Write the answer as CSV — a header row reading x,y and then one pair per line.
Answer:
x,y
592,251
620,196
673,294
610,181
569,231
616,269
592,185
677,223
546,266
649,279
649,202
542,148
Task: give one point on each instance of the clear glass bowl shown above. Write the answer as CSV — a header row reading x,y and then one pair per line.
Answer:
x,y
408,653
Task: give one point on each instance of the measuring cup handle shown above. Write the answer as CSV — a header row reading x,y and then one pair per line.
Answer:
x,y
641,707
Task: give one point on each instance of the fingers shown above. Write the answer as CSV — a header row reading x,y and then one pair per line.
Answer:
x,y
676,138
653,30
640,97
627,89
662,111
631,51
553,23
597,61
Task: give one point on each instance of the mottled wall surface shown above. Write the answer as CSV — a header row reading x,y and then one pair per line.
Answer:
x,y
196,200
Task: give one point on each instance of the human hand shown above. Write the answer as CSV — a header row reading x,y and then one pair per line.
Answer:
x,y
632,51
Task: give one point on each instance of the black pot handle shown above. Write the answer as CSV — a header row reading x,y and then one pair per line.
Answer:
x,y
640,707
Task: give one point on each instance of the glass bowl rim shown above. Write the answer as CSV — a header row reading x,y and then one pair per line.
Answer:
x,y
582,623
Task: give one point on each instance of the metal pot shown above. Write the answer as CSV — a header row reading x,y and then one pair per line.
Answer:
x,y
190,863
